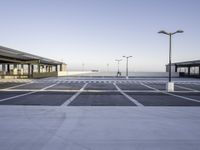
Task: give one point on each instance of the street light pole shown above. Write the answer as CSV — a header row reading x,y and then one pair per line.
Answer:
x,y
107,67
170,84
127,57
118,72
83,65
170,57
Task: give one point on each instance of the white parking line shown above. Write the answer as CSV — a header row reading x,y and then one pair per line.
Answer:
x,y
9,98
74,96
64,90
149,86
171,94
49,86
186,88
183,97
127,96
29,93
17,86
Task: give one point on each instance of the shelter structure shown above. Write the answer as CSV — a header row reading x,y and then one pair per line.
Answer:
x,y
18,64
186,68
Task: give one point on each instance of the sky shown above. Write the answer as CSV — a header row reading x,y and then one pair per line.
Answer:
x,y
96,32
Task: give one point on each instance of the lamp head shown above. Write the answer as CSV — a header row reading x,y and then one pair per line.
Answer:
x,y
163,32
179,31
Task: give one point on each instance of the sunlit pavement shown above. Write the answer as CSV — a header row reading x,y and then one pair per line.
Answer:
x,y
63,113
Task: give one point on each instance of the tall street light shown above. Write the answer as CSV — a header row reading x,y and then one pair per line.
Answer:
x,y
170,85
107,67
127,57
83,67
118,72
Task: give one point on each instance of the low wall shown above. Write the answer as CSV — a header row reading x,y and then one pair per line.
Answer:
x,y
62,73
78,73
35,75
44,74
13,77
131,74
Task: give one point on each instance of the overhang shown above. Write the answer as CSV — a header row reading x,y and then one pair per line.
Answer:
x,y
8,55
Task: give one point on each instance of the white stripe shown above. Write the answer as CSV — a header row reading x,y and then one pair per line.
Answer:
x,y
18,86
56,90
187,88
183,97
21,95
149,86
74,96
5,99
127,96
48,87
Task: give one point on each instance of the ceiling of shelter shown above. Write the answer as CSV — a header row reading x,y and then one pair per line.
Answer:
x,y
8,55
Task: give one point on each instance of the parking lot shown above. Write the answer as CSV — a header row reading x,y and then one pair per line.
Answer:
x,y
100,92
99,113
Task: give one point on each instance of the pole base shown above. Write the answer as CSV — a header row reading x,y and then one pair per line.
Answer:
x,y
170,87
126,77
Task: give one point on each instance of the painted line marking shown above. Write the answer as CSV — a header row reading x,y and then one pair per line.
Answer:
x,y
49,86
149,86
17,86
21,95
29,93
183,97
127,96
74,96
106,91
190,89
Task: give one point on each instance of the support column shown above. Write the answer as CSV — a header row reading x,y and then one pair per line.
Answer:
x,y
49,68
8,69
15,66
4,68
176,68
22,69
32,69
29,70
56,68
38,68
61,67
46,68
188,71
199,71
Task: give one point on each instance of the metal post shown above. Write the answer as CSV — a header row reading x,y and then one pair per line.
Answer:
x,y
107,67
118,72
170,85
118,67
127,67
127,57
83,67
170,56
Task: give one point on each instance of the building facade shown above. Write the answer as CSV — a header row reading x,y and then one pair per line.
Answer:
x,y
18,64
187,68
